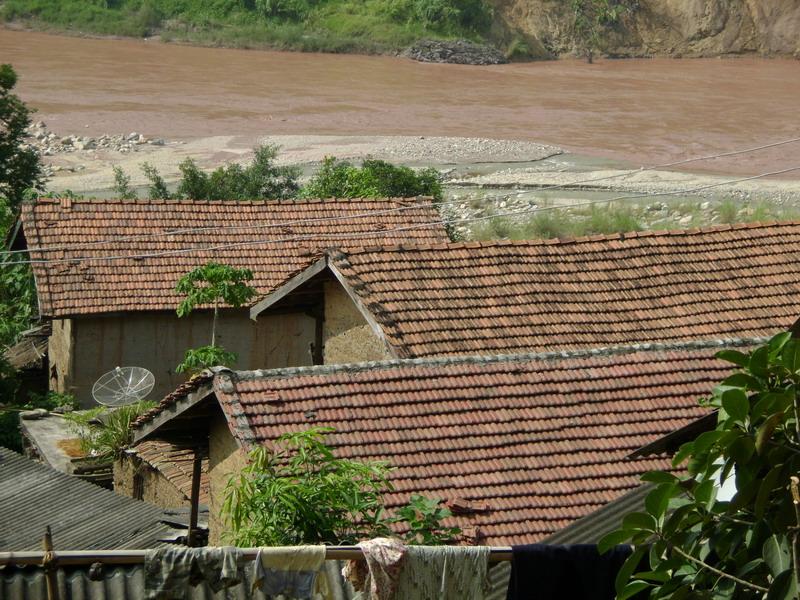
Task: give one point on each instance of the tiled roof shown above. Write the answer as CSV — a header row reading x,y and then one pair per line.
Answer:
x,y
501,297
521,445
138,227
175,462
82,516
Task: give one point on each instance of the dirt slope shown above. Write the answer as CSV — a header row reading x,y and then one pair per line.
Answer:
x,y
689,28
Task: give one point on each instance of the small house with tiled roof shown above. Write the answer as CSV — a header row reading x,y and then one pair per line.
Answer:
x,y
412,301
106,271
518,446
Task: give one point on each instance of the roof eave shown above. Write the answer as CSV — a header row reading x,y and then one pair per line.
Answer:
x,y
172,411
288,287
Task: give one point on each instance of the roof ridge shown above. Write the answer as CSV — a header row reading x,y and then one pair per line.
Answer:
x,y
186,201
720,343
609,237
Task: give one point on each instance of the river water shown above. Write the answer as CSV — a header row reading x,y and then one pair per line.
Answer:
x,y
644,111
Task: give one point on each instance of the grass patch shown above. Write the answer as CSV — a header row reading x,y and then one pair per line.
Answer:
x,y
598,219
561,223
365,26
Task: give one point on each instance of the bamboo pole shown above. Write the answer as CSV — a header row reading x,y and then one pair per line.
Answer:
x,y
136,557
48,562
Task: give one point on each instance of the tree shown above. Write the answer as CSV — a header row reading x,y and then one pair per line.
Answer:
x,y
747,547
298,492
374,179
122,185
212,284
20,168
261,179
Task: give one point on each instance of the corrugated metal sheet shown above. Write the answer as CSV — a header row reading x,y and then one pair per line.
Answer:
x,y
591,528
127,583
82,516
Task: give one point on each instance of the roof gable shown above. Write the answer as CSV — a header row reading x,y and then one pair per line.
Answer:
x,y
125,255
543,295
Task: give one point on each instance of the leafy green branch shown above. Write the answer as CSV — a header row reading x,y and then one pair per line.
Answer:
x,y
212,284
706,546
298,492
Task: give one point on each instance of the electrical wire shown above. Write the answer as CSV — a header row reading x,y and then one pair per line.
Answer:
x,y
382,212
384,232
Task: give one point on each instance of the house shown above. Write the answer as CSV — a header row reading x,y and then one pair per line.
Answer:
x,y
519,446
106,270
81,515
411,301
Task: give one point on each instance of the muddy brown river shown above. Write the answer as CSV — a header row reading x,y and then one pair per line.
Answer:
x,y
645,111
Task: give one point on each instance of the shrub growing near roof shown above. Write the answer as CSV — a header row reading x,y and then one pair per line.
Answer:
x,y
106,433
298,492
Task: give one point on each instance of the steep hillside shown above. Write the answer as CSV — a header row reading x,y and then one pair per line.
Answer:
x,y
520,28
660,27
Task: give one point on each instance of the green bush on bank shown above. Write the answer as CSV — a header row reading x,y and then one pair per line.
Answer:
x,y
374,179
309,25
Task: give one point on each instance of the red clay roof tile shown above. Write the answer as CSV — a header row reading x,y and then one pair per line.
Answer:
x,y
99,285
175,462
542,295
536,440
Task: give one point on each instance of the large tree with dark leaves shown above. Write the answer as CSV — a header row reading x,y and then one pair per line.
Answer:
x,y
20,168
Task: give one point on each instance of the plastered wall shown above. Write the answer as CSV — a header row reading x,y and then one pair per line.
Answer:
x,y
157,489
158,342
347,336
225,457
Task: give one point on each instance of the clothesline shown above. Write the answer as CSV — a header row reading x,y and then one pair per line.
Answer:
x,y
136,557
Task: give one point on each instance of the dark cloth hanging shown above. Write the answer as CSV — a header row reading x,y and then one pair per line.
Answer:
x,y
579,572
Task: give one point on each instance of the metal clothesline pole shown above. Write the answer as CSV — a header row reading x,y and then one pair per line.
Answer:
x,y
136,557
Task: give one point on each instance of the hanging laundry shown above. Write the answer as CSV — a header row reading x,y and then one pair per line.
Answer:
x,y
377,575
219,566
579,572
444,573
290,572
170,571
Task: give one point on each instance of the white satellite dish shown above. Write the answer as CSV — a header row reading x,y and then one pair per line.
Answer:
x,y
123,385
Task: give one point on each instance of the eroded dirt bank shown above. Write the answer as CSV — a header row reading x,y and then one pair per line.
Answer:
x,y
677,28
